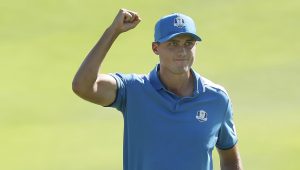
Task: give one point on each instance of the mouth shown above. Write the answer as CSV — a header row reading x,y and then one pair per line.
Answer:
x,y
181,59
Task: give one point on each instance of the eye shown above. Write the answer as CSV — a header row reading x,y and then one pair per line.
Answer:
x,y
173,43
189,43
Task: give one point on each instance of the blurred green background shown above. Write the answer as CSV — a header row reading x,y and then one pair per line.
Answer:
x,y
250,47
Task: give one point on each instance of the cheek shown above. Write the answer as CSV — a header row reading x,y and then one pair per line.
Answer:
x,y
193,54
165,59
166,54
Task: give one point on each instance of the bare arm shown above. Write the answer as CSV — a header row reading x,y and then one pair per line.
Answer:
x,y
87,83
230,159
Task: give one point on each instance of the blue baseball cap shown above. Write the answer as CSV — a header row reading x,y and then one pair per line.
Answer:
x,y
173,25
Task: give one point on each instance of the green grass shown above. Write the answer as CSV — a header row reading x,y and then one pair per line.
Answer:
x,y
249,47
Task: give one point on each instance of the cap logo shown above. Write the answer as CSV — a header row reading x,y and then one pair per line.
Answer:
x,y
179,22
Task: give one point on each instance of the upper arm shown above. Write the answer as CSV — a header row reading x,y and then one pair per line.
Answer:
x,y
230,159
227,136
103,91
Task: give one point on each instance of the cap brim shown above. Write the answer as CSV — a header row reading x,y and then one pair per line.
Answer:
x,y
196,37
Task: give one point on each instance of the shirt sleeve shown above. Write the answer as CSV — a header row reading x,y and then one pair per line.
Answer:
x,y
120,100
227,137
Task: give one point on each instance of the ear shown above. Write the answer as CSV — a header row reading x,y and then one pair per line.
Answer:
x,y
155,47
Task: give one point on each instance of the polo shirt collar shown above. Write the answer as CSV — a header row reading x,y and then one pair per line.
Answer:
x,y
158,85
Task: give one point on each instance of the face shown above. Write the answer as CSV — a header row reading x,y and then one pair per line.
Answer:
x,y
176,55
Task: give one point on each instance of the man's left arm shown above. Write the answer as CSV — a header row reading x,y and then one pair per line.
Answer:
x,y
230,159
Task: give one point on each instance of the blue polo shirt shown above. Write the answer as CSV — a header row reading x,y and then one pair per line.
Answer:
x,y
165,132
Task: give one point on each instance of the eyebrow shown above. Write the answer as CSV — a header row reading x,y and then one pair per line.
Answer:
x,y
174,40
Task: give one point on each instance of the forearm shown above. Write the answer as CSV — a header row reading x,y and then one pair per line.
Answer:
x,y
232,166
230,159
88,71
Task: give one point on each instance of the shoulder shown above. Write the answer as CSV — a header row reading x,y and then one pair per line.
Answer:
x,y
211,87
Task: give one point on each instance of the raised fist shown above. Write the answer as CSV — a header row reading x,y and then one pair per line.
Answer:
x,y
125,20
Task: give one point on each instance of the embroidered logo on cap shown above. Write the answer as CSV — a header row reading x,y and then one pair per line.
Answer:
x,y
179,22
201,116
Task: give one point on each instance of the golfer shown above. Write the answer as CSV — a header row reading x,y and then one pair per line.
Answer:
x,y
173,117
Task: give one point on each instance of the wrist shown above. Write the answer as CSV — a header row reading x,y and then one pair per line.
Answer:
x,y
113,31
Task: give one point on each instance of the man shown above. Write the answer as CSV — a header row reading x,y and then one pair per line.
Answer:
x,y
173,117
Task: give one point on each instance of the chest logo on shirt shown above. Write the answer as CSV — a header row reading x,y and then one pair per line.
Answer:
x,y
201,116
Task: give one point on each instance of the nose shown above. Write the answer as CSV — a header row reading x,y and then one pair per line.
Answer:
x,y
182,51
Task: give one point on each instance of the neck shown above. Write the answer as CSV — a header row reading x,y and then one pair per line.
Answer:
x,y
180,84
